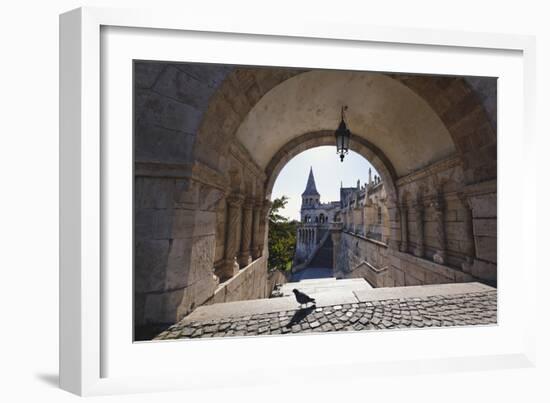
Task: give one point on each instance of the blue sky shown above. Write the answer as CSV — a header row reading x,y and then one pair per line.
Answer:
x,y
328,172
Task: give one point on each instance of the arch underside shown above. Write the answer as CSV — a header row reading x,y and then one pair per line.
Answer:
x,y
451,101
326,138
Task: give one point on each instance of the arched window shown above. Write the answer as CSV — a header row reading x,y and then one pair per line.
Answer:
x,y
379,218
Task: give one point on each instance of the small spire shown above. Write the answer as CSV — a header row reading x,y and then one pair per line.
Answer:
x,y
311,189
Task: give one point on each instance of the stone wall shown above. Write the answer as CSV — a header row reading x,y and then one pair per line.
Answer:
x,y
251,282
358,256
447,233
197,219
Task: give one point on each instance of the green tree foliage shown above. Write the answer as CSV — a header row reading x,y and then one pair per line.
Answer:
x,y
282,237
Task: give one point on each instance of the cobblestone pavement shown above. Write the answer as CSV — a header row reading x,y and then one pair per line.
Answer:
x,y
456,310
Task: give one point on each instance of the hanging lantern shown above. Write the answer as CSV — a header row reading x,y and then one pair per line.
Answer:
x,y
342,135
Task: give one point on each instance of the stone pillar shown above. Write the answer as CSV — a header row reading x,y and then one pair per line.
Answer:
x,y
264,218
232,237
404,246
418,209
469,244
441,236
336,234
256,252
395,226
246,233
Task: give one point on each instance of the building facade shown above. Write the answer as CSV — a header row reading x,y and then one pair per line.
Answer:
x,y
361,211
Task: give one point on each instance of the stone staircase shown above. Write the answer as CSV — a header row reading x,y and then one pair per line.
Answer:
x,y
314,287
323,257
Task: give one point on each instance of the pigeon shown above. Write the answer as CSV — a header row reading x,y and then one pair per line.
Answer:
x,y
302,298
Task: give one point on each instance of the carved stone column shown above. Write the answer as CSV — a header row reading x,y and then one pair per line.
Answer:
x,y
404,246
246,234
418,209
256,252
266,207
469,234
441,236
232,235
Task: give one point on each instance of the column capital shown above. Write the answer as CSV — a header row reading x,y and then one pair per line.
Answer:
x,y
235,199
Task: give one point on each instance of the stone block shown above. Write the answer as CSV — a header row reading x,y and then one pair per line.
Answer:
x,y
461,277
196,294
430,230
204,223
410,280
389,282
154,143
435,278
395,261
151,257
139,308
154,193
184,87
179,272
183,223
143,224
451,215
485,227
153,224
202,257
484,206
146,73
155,110
486,248
186,194
455,230
454,245
415,271
209,74
172,306
484,270
398,277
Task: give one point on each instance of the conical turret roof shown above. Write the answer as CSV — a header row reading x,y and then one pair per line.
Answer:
x,y
311,189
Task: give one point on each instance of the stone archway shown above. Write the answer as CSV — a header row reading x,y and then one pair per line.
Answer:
x,y
326,138
198,157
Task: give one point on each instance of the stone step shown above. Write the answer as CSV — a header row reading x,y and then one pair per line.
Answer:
x,y
311,287
334,297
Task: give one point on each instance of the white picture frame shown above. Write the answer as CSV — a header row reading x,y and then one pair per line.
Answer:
x,y
83,177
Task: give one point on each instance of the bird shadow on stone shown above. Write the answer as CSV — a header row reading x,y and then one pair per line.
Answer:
x,y
300,315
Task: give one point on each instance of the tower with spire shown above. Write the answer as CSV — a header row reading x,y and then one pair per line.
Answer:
x,y
310,196
312,210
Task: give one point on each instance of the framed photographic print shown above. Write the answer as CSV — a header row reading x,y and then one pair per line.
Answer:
x,y
227,193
